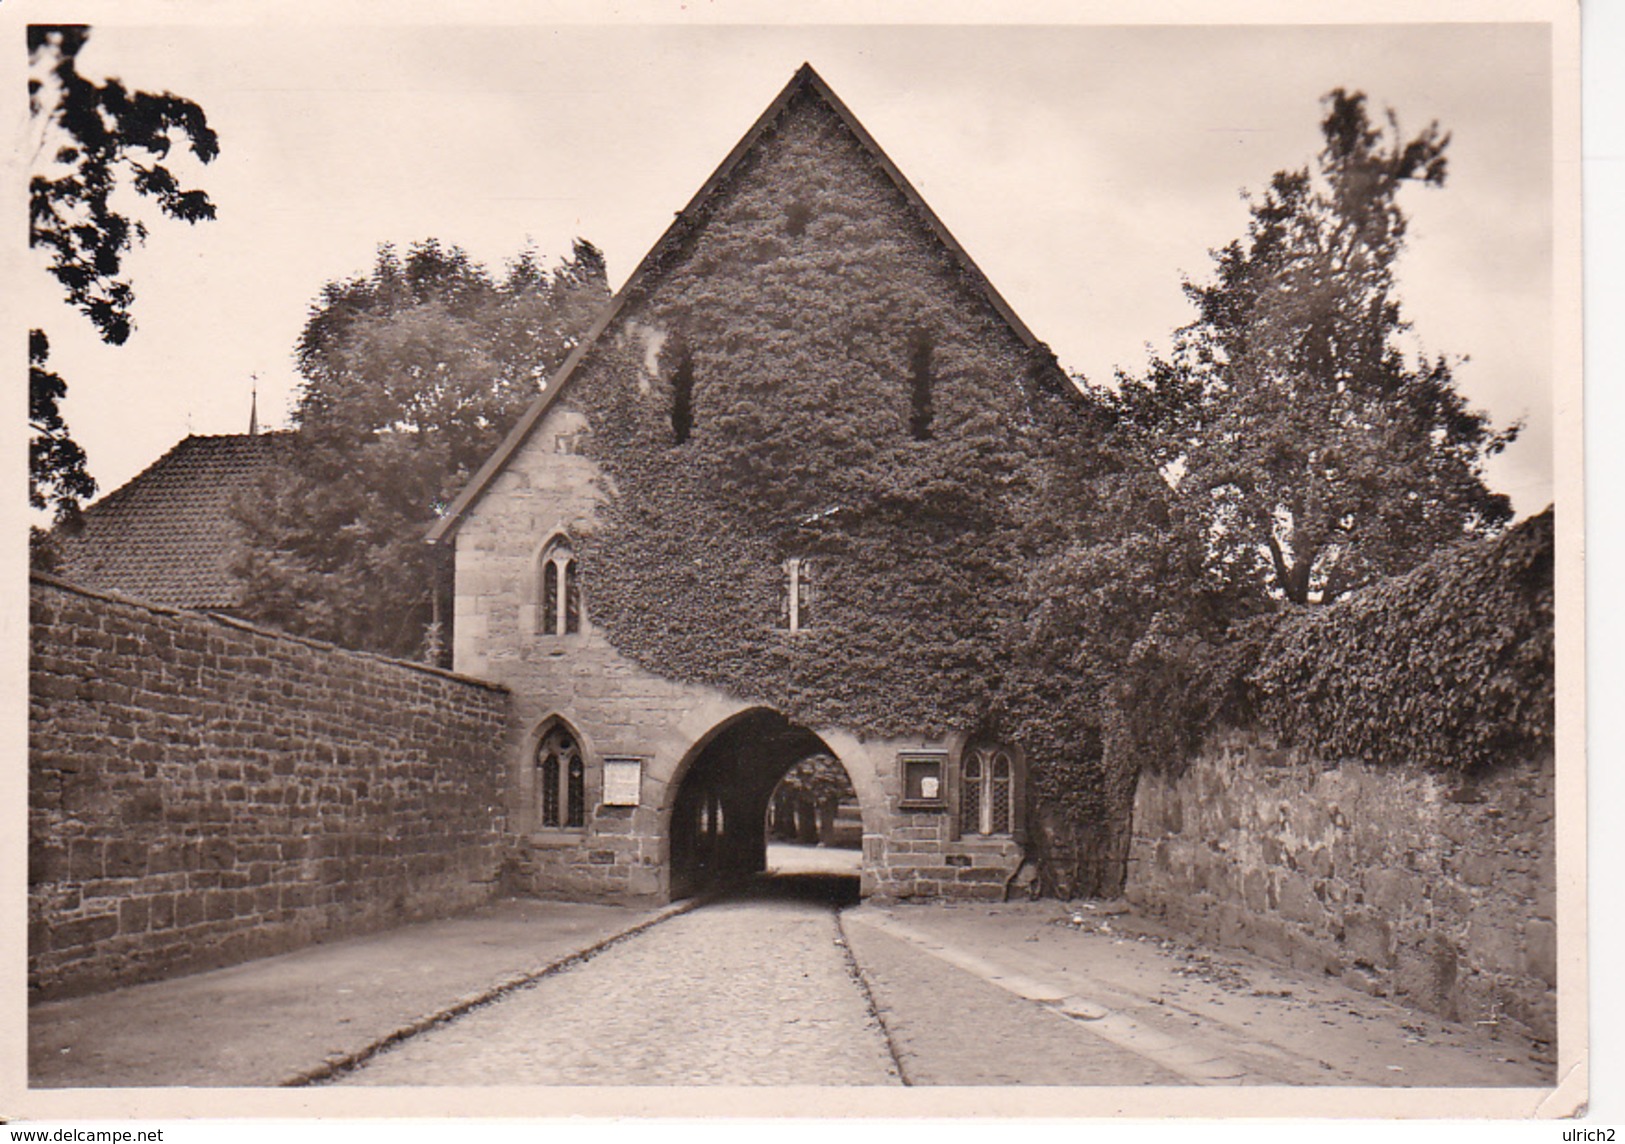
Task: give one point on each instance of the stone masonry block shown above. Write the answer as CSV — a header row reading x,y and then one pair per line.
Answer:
x,y
1540,951
1368,937
84,932
134,914
982,875
1493,943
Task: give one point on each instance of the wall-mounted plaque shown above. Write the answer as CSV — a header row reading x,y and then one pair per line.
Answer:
x,y
623,781
924,779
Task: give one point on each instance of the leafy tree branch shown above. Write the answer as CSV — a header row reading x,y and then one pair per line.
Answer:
x,y
94,138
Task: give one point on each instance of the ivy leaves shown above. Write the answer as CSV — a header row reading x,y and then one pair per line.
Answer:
x,y
779,421
1449,666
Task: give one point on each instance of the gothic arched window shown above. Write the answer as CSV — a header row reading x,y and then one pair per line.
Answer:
x,y
561,779
560,606
987,803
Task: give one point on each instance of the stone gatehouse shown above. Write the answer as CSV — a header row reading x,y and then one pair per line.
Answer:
x,y
627,783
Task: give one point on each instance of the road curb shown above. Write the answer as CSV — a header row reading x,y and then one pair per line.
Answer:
x,y
340,1063
860,977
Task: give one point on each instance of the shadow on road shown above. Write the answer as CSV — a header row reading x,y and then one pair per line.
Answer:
x,y
828,889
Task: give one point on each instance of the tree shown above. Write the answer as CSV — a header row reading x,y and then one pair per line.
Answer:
x,y
56,463
807,798
1122,633
1312,454
1287,450
101,137
413,374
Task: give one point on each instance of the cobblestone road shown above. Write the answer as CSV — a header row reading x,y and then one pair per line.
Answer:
x,y
751,992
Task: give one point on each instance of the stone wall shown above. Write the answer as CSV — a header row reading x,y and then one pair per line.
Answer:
x,y
1424,886
921,856
202,791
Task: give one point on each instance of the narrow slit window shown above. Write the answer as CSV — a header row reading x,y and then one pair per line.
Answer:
x,y
550,598
970,805
682,399
572,599
999,796
921,412
576,791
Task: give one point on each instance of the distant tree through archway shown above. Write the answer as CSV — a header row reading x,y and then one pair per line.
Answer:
x,y
720,813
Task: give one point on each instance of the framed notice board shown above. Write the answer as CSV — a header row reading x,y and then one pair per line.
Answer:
x,y
924,774
623,781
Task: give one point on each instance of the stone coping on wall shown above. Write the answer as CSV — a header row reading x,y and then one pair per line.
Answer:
x,y
45,579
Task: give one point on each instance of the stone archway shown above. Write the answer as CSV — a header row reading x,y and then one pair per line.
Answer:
x,y
718,816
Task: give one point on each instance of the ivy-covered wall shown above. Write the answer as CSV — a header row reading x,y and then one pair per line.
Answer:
x,y
1388,814
1451,665
800,326
803,369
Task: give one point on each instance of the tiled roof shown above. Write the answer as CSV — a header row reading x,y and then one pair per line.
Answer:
x,y
168,536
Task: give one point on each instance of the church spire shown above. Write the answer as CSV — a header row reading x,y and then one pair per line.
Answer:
x,y
254,408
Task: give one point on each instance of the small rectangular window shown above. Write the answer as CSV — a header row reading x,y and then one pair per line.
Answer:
x,y
804,594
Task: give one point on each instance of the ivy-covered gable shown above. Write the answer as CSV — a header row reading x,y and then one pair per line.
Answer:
x,y
811,318
824,441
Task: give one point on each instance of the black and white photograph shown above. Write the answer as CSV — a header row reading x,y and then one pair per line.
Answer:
x,y
701,561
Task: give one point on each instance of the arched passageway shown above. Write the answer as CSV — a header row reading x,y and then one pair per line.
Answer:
x,y
720,812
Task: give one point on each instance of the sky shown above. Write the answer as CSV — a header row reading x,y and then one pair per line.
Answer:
x,y
1087,169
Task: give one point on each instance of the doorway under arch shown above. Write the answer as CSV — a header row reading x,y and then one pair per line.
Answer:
x,y
719,814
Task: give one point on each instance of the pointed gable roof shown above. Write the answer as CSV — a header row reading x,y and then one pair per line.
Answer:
x,y
688,220
167,536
